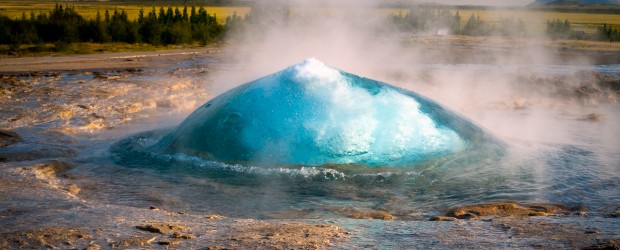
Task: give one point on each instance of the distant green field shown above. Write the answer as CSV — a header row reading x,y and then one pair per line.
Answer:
x,y
15,8
535,20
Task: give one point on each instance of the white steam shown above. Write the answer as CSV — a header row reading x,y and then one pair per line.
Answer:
x,y
475,76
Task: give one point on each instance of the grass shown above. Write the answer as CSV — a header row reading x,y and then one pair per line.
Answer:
x,y
509,43
535,20
16,8
85,48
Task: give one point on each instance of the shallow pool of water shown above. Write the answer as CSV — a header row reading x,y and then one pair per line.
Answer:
x,y
565,153
551,156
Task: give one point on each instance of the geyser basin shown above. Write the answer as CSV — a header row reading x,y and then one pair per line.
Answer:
x,y
312,114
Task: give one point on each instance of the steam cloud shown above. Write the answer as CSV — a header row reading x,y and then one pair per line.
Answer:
x,y
471,75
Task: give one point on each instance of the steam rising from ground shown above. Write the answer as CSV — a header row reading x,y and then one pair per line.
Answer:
x,y
507,86
499,73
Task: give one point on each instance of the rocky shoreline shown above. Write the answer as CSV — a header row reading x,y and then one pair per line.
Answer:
x,y
50,214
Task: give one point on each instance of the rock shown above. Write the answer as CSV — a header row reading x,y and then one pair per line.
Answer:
x,y
177,87
44,238
593,117
178,235
214,216
612,244
508,209
372,214
106,76
133,70
167,243
214,248
615,214
93,247
284,236
36,152
442,218
162,228
8,138
82,106
114,77
100,75
73,189
53,168
552,232
586,91
133,242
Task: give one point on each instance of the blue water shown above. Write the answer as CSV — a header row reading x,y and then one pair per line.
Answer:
x,y
544,152
310,114
564,160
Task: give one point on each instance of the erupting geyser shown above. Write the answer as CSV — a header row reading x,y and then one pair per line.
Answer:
x,y
312,114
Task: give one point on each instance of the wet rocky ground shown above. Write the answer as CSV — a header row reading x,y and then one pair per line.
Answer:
x,y
40,211
48,115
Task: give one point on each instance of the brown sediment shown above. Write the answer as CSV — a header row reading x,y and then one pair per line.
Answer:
x,y
353,213
37,153
93,247
177,235
133,61
162,228
92,101
263,235
53,222
8,138
564,235
72,189
583,88
52,172
168,242
137,241
509,209
615,213
593,117
611,244
214,216
442,218
45,238
379,215
51,169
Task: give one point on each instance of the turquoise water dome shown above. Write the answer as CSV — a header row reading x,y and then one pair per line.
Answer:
x,y
311,114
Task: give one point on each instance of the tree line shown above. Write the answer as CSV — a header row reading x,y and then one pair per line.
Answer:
x,y
161,26
607,33
63,25
558,29
442,21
